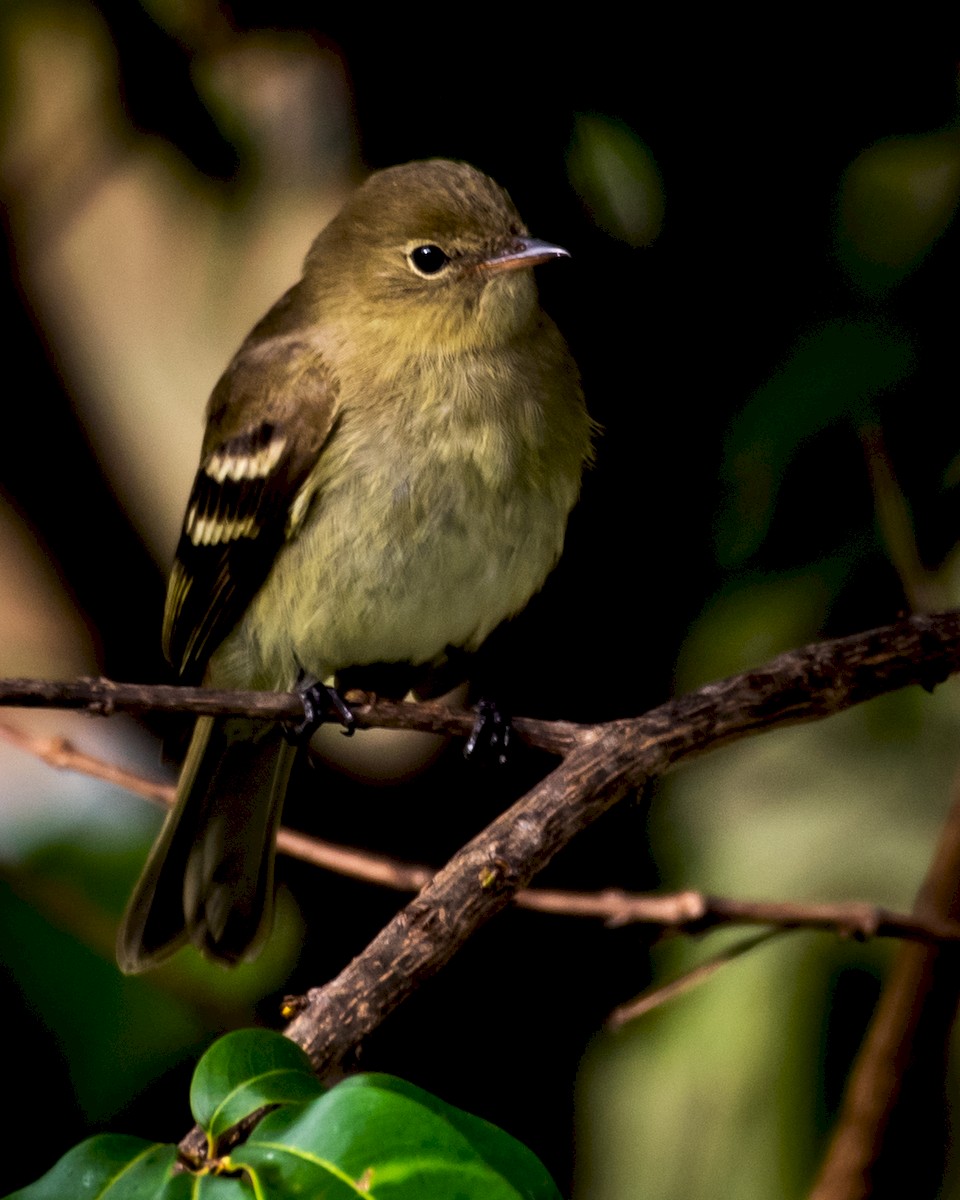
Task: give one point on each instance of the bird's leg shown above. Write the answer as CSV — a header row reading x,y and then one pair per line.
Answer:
x,y
320,703
490,738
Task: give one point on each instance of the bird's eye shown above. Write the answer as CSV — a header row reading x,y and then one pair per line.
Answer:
x,y
428,260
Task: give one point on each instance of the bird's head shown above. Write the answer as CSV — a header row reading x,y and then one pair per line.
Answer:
x,y
429,256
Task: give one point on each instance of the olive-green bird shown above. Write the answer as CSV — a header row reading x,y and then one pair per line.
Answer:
x,y
386,474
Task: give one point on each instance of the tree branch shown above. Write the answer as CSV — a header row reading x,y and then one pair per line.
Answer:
x,y
687,912
603,764
664,992
905,1047
610,762
102,697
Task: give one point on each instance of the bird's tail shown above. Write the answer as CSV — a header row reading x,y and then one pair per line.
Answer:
x,y
209,877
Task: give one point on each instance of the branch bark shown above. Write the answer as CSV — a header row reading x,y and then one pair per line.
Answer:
x,y
609,762
602,764
102,697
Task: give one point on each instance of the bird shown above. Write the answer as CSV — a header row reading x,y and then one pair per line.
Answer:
x,y
386,474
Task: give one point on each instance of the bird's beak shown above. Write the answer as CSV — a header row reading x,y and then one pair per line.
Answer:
x,y
524,252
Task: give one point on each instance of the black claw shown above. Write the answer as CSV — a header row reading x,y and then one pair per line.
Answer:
x,y
320,703
342,710
490,738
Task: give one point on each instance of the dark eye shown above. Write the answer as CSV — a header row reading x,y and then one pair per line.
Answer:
x,y
428,260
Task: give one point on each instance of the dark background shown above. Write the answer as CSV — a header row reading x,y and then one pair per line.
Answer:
x,y
690,349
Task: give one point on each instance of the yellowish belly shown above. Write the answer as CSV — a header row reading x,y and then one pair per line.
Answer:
x,y
395,573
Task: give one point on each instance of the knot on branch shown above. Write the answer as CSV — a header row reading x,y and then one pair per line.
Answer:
x,y
498,875
102,701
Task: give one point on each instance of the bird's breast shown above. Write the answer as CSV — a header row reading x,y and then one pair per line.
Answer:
x,y
425,526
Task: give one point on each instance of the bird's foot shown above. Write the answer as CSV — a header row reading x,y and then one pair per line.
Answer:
x,y
490,738
320,703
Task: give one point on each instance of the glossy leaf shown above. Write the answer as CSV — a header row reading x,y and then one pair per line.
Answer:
x,y
247,1070
371,1136
111,1167
393,1140
281,1171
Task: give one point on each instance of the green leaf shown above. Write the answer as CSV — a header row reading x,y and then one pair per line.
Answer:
x,y
247,1070
112,1166
897,198
832,375
118,1167
617,178
280,1171
372,1136
394,1141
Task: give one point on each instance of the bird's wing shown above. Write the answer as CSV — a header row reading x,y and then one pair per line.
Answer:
x,y
269,418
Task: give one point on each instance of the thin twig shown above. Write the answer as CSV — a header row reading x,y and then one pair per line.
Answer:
x,y
924,592
688,912
103,697
61,753
662,992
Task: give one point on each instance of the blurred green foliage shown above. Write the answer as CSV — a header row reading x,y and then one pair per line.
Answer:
x,y
897,198
832,375
617,178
